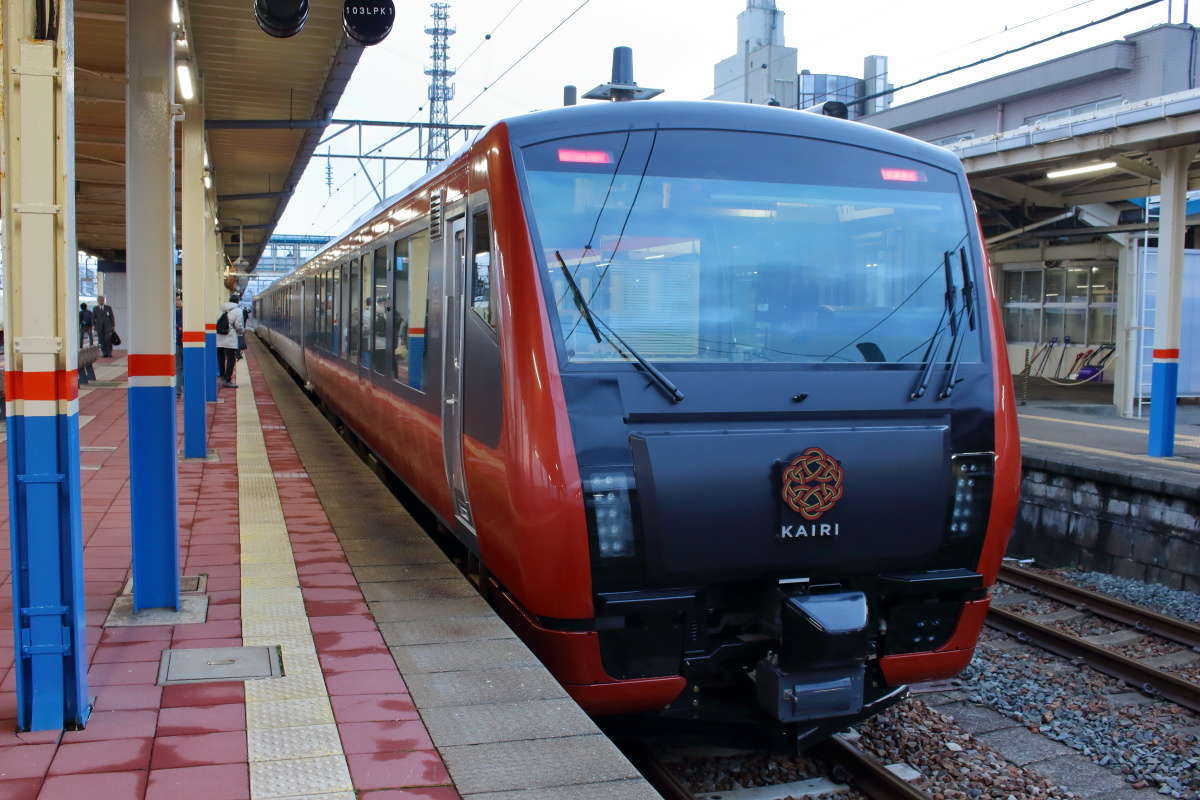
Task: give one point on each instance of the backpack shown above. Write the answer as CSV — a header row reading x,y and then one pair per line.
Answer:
x,y
223,324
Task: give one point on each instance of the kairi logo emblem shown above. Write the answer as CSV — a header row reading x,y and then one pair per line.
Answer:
x,y
812,483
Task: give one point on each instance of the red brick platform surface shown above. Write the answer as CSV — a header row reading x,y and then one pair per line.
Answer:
x,y
189,742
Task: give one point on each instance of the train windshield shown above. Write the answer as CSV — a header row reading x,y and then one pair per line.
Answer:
x,y
719,246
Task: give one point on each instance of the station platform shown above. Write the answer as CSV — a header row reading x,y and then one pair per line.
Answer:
x,y
398,681
1094,439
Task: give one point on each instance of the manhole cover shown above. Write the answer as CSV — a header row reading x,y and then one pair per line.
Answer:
x,y
205,664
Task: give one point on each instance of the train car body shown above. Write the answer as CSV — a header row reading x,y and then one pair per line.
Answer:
x,y
717,394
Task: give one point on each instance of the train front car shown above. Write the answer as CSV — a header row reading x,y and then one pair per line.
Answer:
x,y
789,399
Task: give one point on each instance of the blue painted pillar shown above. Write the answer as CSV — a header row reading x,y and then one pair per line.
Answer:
x,y
41,380
196,243
150,270
1168,310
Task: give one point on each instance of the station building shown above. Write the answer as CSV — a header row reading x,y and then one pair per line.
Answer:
x,y
1075,255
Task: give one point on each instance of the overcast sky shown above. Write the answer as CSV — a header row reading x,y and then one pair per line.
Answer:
x,y
675,45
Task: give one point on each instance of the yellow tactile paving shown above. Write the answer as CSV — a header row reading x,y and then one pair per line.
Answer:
x,y
1180,439
293,744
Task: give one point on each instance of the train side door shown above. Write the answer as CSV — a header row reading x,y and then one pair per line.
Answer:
x,y
452,377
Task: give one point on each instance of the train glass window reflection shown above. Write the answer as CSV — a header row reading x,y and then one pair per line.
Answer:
x,y
335,324
400,310
381,301
353,334
693,252
481,265
367,302
418,304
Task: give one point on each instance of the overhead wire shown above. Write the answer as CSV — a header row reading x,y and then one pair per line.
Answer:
x,y
996,56
487,86
486,38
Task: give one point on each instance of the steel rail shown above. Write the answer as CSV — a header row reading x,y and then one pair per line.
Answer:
x,y
656,772
1177,630
866,773
1149,679
861,771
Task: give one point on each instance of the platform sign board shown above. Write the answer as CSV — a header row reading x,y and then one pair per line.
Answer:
x,y
368,22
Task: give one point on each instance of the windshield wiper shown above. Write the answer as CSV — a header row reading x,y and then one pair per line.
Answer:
x,y
968,293
585,311
580,304
950,311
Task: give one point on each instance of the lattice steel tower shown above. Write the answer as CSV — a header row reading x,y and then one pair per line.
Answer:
x,y
440,91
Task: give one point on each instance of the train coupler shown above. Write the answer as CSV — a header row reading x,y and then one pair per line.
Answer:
x,y
820,670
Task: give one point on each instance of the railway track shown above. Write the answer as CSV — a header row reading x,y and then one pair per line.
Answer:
x,y
1146,677
851,767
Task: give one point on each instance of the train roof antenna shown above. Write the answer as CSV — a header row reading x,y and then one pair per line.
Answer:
x,y
622,86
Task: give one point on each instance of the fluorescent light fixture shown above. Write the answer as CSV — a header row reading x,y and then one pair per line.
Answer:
x,y
175,16
1084,170
207,181
184,73
206,158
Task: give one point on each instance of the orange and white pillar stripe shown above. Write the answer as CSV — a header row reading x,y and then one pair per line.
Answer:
x,y
37,187
150,269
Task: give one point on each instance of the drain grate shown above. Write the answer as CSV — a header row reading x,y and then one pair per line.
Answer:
x,y
209,664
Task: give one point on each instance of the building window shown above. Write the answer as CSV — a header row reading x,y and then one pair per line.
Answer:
x,y
1060,304
1074,111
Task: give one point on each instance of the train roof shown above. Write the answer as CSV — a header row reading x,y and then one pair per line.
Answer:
x,y
607,117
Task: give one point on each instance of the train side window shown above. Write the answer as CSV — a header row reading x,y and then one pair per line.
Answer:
x,y
400,310
481,268
335,323
382,302
354,329
418,306
327,300
318,306
367,304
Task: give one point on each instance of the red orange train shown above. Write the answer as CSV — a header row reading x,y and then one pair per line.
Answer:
x,y
717,393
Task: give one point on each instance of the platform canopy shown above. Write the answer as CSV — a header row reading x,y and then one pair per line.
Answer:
x,y
245,74
1106,155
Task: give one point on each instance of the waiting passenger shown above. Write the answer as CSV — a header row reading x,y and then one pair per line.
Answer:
x,y
231,323
85,325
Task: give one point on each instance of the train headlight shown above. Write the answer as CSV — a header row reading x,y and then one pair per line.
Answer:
x,y
608,497
971,503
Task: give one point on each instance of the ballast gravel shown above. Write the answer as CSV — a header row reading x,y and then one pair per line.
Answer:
x,y
954,765
1151,743
1173,602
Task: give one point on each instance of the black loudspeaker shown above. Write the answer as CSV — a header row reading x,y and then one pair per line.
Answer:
x,y
281,18
368,22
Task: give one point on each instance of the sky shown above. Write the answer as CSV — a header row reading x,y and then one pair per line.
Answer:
x,y
675,45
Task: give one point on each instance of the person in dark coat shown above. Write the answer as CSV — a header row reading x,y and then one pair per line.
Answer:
x,y
178,345
105,323
85,325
